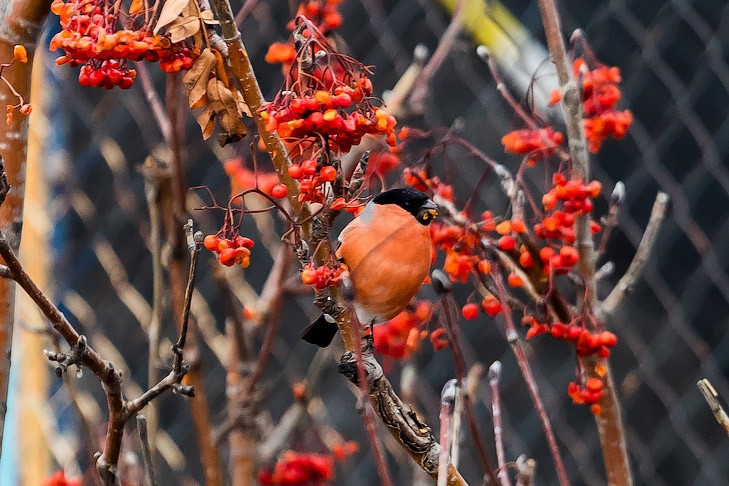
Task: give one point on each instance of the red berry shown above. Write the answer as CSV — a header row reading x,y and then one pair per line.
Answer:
x,y
309,276
227,257
328,173
507,243
470,311
279,191
295,171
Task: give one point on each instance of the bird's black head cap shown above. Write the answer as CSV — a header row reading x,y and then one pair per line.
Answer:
x,y
415,202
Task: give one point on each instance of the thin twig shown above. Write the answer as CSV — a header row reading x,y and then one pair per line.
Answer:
x,y
645,248
447,402
146,451
494,373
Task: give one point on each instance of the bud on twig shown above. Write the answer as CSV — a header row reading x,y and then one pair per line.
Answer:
x,y
441,282
618,196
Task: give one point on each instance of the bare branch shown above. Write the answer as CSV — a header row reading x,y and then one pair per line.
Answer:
x,y
645,248
146,452
494,373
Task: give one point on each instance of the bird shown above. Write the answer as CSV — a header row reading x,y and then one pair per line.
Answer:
x,y
387,250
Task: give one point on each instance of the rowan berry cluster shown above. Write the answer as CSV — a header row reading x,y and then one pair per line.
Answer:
x,y
323,276
90,37
600,93
575,198
538,142
400,336
299,469
324,14
243,179
60,479
590,394
323,115
311,179
230,250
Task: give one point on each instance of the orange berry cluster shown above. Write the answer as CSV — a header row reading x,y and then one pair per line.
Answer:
x,y
438,340
589,395
322,13
322,276
400,336
323,115
25,109
230,250
575,197
585,342
89,37
600,93
526,141
297,469
311,179
489,304
418,179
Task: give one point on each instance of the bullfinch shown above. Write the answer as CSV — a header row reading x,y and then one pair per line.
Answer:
x,y
387,250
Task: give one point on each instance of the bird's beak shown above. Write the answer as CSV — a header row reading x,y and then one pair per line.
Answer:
x,y
431,208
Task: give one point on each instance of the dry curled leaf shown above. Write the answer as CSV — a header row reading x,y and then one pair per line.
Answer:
x,y
183,27
206,120
208,17
224,103
196,79
170,10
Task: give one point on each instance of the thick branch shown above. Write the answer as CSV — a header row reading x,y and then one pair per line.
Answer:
x,y
609,422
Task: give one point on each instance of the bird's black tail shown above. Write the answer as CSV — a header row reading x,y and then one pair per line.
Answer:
x,y
321,331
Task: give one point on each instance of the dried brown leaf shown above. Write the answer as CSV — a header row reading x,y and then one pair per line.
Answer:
x,y
196,79
208,17
206,120
242,106
183,27
170,10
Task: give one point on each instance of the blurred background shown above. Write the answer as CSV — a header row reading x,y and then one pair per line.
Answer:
x,y
87,229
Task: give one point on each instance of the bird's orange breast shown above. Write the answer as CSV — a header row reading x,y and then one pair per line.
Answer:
x,y
388,255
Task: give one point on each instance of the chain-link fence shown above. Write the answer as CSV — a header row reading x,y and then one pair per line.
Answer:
x,y
672,330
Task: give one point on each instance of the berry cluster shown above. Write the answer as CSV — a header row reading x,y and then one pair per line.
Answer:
x,y
60,479
299,469
312,178
323,276
489,304
243,179
575,197
600,93
419,180
400,336
230,250
89,36
542,142
589,395
323,14
438,340
107,74
323,115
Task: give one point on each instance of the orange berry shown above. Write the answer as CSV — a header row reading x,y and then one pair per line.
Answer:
x,y
595,409
515,280
491,305
594,384
518,226
224,244
20,54
546,254
525,260
504,227
295,171
227,257
211,242
484,266
308,276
